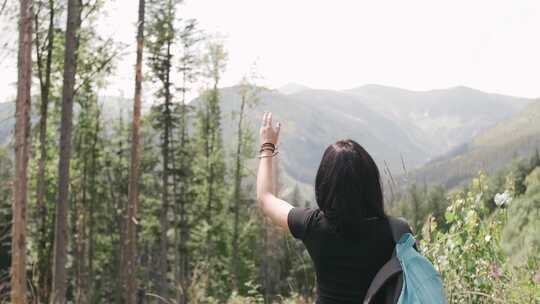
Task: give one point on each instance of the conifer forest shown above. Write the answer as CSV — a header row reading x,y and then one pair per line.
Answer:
x,y
150,197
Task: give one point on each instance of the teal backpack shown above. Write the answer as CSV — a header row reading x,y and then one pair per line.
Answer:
x,y
408,277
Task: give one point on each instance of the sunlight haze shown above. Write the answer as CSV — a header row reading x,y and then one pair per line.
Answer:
x,y
419,45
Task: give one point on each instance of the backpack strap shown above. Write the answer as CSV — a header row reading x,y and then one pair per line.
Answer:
x,y
399,227
392,269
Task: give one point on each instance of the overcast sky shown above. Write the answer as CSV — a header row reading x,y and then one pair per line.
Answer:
x,y
490,45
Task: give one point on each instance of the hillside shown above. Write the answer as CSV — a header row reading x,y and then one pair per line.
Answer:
x,y
312,119
114,107
398,127
440,120
491,149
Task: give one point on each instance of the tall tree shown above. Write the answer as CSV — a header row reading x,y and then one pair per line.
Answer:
x,y
210,171
190,36
60,240
160,45
22,131
83,201
133,188
209,130
244,139
44,47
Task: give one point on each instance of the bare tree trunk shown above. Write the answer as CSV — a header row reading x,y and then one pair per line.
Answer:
x,y
133,190
22,130
60,241
44,75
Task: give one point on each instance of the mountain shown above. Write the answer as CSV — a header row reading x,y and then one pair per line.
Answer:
x,y
491,149
115,107
292,88
437,135
440,120
403,130
313,119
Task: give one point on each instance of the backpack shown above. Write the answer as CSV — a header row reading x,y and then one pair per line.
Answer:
x,y
408,277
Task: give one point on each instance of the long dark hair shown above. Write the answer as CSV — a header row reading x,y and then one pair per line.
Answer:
x,y
347,186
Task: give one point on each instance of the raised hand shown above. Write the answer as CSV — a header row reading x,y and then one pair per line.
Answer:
x,y
267,133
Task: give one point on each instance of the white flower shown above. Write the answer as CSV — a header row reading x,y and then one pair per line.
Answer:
x,y
502,198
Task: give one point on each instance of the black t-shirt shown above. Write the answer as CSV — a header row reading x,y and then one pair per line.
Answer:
x,y
345,266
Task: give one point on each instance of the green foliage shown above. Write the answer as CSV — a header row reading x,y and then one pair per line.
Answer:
x,y
520,235
485,253
419,203
470,255
6,165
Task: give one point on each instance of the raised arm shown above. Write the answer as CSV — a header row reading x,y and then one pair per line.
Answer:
x,y
274,208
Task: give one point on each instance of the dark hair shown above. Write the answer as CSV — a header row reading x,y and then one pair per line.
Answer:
x,y
347,186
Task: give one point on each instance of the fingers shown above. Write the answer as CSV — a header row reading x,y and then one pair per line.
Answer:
x,y
265,114
267,121
278,128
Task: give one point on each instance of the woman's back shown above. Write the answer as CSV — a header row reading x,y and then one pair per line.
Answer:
x,y
345,264
348,237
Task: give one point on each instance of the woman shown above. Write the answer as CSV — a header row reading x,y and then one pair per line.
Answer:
x,y
348,237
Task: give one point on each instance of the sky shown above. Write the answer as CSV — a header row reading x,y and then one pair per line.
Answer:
x,y
491,45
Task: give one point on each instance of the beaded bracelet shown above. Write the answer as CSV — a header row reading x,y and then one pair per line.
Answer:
x,y
274,153
266,149
268,144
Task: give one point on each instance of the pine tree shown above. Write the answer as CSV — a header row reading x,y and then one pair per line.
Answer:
x,y
161,41
60,241
22,132
133,189
44,47
248,94
210,170
190,36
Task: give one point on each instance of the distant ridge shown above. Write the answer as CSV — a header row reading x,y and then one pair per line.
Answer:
x,y
440,119
491,149
424,129
292,88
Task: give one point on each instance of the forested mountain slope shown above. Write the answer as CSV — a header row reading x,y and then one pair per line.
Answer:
x,y
493,148
440,120
398,127
312,119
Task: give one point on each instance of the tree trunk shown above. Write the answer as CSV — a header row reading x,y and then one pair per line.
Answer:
x,y
133,190
22,130
66,125
44,75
